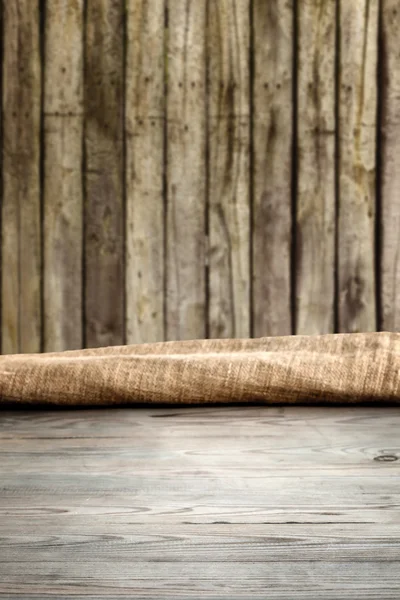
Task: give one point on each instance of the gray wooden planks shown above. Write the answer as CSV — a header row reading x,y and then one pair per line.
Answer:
x,y
211,501
389,160
145,114
272,166
104,173
357,185
186,170
63,177
21,198
315,202
228,39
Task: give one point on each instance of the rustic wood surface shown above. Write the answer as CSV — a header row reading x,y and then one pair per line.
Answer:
x,y
357,162
175,169
272,58
228,39
145,125
21,297
104,164
186,170
233,502
315,205
389,161
63,184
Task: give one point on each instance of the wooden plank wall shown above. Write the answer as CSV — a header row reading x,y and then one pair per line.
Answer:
x,y
228,44
21,253
104,247
357,112
145,109
63,128
186,170
316,167
389,152
174,169
273,114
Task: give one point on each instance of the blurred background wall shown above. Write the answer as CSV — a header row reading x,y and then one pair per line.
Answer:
x,y
198,168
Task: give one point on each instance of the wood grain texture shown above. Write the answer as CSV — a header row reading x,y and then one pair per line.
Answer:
x,y
186,170
63,119
390,172
186,178
21,228
211,502
104,175
228,38
315,204
272,166
357,133
145,80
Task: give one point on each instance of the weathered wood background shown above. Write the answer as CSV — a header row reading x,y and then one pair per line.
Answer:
x,y
210,503
178,169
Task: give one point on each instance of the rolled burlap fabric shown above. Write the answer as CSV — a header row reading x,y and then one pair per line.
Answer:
x,y
362,367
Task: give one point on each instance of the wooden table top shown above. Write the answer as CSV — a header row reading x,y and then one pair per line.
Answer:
x,y
210,503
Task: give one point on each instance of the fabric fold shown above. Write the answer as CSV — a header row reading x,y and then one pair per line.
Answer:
x,y
332,368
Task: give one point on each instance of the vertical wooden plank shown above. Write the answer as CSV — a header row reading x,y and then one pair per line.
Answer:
x,y
228,36
357,132
145,171
186,170
390,173
272,166
104,219
63,106
315,226
21,242
1,162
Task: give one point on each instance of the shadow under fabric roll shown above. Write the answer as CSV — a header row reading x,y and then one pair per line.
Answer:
x,y
359,367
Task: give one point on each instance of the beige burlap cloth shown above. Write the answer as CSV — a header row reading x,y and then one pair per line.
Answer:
x,y
327,368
